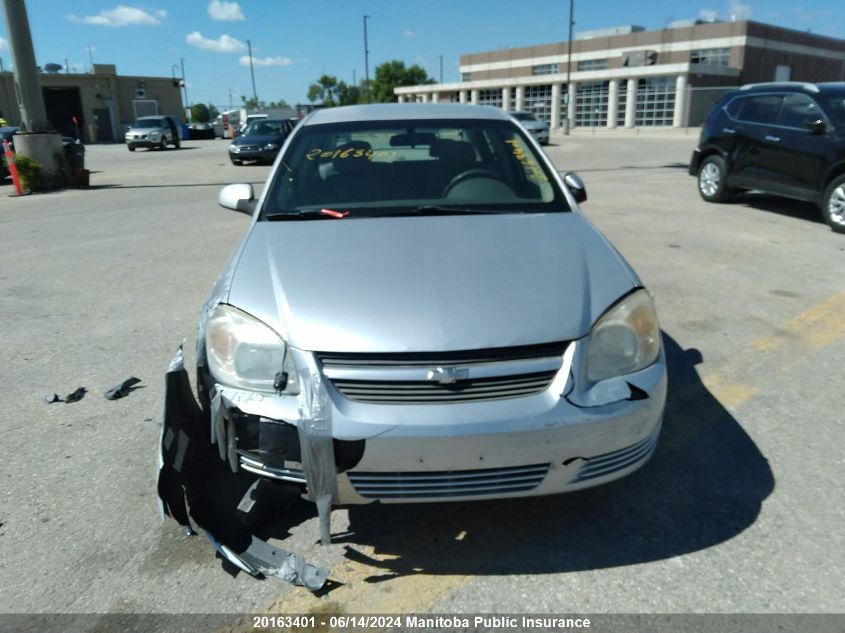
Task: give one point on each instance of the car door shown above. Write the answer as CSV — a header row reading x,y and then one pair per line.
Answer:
x,y
795,154
755,135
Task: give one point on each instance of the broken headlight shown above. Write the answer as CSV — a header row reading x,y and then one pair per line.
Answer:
x,y
625,339
245,353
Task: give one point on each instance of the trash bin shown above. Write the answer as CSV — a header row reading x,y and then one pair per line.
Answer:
x,y
75,157
186,132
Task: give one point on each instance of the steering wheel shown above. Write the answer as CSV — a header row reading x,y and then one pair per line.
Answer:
x,y
468,175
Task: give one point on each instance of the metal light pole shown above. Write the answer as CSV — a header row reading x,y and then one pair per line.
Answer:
x,y
184,81
28,89
252,74
366,61
568,67
441,69
91,56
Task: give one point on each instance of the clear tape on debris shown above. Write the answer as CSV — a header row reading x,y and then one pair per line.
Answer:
x,y
603,392
192,483
317,448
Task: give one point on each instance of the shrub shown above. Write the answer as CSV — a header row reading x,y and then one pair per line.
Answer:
x,y
30,172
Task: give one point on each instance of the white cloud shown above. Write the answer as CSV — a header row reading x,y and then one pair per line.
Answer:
x,y
408,33
223,44
3,43
121,15
709,15
739,11
266,61
225,11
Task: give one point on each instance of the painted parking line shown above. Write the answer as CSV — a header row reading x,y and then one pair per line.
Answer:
x,y
745,373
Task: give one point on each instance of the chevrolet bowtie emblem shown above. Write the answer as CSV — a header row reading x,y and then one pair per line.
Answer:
x,y
447,375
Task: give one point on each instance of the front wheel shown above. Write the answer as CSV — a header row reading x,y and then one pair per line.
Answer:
x,y
131,148
712,175
163,144
176,143
833,205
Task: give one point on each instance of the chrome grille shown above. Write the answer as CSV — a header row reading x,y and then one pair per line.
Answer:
x,y
608,463
417,378
248,148
447,484
420,392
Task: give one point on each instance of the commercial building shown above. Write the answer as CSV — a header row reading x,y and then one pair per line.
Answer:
x,y
102,102
629,77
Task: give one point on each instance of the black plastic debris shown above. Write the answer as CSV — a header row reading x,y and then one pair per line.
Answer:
x,y
51,399
76,396
122,389
200,490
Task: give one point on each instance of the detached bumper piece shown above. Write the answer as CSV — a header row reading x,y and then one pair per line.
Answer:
x,y
198,489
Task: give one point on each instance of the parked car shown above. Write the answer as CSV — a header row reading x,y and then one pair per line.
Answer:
x,y
419,289
201,131
785,138
260,141
537,128
154,131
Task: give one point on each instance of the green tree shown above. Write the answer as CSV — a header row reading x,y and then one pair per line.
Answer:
x,y
348,94
200,113
324,91
252,104
212,111
393,74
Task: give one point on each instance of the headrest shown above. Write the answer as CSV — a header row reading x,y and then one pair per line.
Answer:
x,y
453,152
352,161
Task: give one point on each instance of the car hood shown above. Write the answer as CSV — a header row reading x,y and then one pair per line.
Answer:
x,y
534,125
143,130
257,139
429,283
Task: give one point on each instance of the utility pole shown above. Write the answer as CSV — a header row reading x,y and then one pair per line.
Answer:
x,y
441,69
252,74
568,68
91,57
366,62
27,86
185,86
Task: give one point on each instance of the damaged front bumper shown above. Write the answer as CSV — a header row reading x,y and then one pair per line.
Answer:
x,y
559,440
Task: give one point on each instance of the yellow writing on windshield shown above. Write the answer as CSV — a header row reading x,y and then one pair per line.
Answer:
x,y
351,152
532,169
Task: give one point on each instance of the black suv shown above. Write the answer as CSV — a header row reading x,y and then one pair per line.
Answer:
x,y
782,138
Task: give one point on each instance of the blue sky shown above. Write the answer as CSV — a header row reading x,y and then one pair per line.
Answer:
x,y
295,42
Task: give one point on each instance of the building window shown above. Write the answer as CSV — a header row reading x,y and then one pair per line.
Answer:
x,y
591,104
491,97
623,100
655,101
466,76
538,99
710,56
592,64
544,69
512,107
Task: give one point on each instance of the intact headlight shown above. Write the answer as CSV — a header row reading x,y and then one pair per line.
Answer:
x,y
624,340
234,148
243,352
270,146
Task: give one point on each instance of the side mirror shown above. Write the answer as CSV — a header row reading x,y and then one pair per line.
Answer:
x,y
239,197
816,127
575,186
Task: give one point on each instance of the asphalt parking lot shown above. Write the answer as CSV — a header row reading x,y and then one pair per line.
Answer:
x,y
740,510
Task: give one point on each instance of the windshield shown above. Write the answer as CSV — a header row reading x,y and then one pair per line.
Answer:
x,y
263,128
524,116
384,167
151,122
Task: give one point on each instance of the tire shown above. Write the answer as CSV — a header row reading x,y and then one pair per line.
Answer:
x,y
163,144
237,161
833,204
131,148
176,143
712,174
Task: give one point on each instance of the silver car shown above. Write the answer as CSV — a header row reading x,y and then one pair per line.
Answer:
x,y
420,312
536,128
153,132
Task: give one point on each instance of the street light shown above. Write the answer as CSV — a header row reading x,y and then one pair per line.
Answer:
x,y
252,74
366,61
568,68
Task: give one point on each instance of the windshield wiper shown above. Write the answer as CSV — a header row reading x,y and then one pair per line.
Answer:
x,y
306,214
439,209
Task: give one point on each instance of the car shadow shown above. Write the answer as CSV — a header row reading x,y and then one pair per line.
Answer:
x,y
704,485
799,209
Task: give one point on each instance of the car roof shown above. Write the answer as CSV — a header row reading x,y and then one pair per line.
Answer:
x,y
795,86
403,111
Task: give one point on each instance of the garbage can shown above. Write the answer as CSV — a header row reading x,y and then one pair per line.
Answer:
x,y
186,132
75,157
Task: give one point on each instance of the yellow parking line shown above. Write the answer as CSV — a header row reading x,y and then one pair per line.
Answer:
x,y
817,327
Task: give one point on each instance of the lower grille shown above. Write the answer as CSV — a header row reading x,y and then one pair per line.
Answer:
x,y
448,484
248,148
608,463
